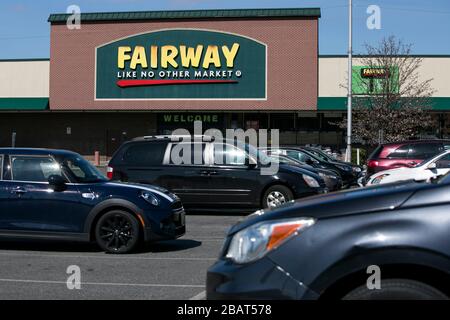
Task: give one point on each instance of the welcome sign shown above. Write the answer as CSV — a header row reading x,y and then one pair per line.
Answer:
x,y
181,64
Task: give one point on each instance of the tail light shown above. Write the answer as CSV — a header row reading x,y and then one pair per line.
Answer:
x,y
109,172
372,163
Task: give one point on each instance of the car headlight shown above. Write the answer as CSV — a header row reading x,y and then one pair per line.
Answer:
x,y
310,181
257,240
378,179
356,169
150,198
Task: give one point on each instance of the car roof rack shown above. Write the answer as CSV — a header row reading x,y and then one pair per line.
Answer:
x,y
177,138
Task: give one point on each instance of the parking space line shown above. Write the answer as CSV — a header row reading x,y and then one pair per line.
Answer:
x,y
127,257
200,296
107,283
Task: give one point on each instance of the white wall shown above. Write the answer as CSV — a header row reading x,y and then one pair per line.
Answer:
x,y
24,79
333,74
31,78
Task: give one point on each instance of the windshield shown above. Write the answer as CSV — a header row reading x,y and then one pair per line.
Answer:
x,y
81,170
320,155
261,156
440,156
326,155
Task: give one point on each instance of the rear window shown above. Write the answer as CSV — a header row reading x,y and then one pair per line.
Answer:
x,y
145,154
400,153
376,153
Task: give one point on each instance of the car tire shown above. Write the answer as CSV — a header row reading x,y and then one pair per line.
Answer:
x,y
397,289
117,231
276,195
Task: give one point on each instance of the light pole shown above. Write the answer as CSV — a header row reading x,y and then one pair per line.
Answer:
x,y
348,155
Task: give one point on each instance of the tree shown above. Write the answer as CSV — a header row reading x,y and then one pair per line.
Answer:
x,y
390,99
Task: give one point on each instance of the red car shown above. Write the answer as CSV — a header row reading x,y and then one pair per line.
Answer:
x,y
403,154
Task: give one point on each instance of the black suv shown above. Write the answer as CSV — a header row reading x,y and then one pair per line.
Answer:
x,y
216,176
348,173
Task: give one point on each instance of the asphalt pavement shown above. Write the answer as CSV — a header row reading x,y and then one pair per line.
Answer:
x,y
165,270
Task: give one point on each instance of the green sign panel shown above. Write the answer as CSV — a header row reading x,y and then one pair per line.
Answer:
x,y
181,64
372,80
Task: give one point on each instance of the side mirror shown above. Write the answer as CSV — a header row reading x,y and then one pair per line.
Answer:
x,y
432,166
57,182
309,161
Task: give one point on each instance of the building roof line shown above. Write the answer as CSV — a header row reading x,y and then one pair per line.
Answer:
x,y
24,59
190,14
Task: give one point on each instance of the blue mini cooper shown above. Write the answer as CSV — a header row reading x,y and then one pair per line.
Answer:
x,y
58,195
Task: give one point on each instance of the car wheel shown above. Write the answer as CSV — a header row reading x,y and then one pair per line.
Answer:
x,y
117,232
397,289
276,196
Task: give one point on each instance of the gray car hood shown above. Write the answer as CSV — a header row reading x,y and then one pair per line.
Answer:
x,y
356,201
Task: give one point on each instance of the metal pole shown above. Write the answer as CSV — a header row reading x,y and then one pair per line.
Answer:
x,y
13,139
349,95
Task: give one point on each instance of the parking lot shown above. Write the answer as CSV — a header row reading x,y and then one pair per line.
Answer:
x,y
166,270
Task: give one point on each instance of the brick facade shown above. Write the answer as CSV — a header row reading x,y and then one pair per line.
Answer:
x,y
292,63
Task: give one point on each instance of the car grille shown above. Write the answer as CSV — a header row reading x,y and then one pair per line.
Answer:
x,y
178,214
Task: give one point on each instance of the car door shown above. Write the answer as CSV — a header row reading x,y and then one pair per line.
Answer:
x,y
186,173
233,182
32,204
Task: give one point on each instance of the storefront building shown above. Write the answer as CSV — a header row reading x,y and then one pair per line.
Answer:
x,y
141,73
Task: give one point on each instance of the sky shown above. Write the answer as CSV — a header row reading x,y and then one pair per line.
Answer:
x,y
25,32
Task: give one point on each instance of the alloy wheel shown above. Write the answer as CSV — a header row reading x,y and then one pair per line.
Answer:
x,y
116,233
275,198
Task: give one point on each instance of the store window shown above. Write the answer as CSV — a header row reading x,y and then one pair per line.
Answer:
x,y
308,122
256,121
283,121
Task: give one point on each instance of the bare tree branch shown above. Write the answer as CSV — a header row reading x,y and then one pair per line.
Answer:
x,y
399,107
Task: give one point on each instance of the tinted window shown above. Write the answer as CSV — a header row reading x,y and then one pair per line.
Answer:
x,y
376,153
1,167
145,154
36,169
400,153
319,155
229,155
187,154
444,162
298,155
424,150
